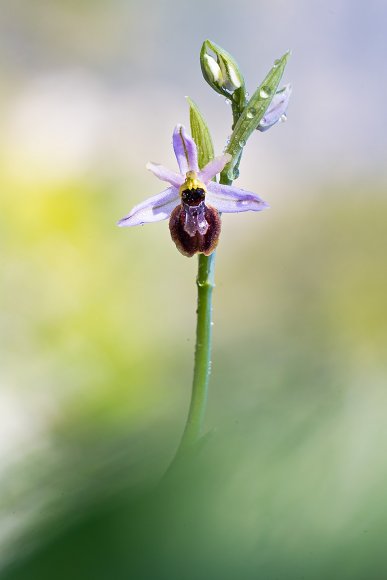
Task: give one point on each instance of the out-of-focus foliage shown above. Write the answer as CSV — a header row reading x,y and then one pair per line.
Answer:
x,y
99,360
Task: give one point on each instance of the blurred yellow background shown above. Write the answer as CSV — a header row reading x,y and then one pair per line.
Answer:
x,y
98,322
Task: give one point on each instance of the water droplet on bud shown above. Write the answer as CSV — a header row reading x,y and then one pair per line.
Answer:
x,y
227,101
242,143
283,118
250,113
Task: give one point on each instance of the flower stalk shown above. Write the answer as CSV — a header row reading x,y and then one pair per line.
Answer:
x,y
202,367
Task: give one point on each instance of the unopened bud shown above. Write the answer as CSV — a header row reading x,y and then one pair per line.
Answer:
x,y
220,69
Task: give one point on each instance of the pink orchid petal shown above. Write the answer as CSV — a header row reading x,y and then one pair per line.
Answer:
x,y
156,208
165,174
185,150
214,167
229,199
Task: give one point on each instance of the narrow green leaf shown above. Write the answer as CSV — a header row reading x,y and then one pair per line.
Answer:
x,y
255,110
200,134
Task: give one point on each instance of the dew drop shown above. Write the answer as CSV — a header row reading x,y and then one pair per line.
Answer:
x,y
247,95
227,101
283,118
264,93
250,113
236,173
242,143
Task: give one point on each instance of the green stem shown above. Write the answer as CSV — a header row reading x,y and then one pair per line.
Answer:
x,y
202,368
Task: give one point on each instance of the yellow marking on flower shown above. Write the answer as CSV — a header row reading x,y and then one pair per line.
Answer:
x,y
192,182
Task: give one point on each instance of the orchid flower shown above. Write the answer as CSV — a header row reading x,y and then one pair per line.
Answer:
x,y
192,201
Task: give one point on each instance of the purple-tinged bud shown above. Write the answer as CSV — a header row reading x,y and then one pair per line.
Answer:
x,y
276,113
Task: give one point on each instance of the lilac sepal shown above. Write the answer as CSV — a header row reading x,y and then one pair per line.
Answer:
x,y
229,199
277,108
165,174
156,208
214,167
185,150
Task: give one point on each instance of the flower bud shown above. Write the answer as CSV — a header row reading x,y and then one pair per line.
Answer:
x,y
277,109
220,69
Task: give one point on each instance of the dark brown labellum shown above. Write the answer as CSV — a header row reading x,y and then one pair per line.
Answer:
x,y
188,244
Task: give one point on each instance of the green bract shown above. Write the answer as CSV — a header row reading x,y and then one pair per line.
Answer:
x,y
252,114
200,134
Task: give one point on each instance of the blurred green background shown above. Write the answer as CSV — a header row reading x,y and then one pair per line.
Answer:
x,y
98,322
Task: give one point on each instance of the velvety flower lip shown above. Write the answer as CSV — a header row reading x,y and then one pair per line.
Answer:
x,y
277,109
224,198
